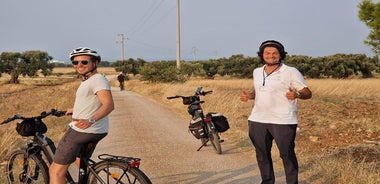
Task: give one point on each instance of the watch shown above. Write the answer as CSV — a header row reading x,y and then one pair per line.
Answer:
x,y
91,120
298,94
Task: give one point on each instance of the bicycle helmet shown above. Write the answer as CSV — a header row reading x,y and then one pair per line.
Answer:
x,y
272,43
84,51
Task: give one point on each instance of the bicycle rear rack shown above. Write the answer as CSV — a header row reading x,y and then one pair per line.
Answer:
x,y
131,161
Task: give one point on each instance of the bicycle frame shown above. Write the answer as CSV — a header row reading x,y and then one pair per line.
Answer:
x,y
41,149
39,143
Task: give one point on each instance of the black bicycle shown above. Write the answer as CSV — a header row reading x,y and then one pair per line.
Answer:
x,y
204,127
29,163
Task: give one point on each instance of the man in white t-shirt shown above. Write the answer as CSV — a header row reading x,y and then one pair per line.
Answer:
x,y
274,115
93,103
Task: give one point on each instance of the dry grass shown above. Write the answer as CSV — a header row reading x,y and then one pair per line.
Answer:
x,y
333,125
356,89
342,113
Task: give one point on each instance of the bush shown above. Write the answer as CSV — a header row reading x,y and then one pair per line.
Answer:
x,y
160,72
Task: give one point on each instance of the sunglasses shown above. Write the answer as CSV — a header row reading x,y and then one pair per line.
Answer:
x,y
84,62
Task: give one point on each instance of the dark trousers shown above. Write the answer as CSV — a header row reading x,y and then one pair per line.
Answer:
x,y
262,135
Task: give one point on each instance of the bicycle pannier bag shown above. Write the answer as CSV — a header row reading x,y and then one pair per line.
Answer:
x,y
29,127
196,129
220,122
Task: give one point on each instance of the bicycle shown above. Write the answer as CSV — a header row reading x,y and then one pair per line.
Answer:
x,y
121,78
29,163
121,85
204,127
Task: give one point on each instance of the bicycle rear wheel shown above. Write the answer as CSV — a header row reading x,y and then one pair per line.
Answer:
x,y
24,168
214,138
117,172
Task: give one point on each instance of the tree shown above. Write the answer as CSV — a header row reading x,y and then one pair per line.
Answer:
x,y
160,71
27,63
9,61
369,13
192,69
129,66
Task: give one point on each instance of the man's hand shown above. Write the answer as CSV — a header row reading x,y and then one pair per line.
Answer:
x,y
69,111
245,96
291,94
82,123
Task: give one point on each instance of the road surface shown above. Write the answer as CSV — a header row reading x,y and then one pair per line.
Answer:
x,y
140,127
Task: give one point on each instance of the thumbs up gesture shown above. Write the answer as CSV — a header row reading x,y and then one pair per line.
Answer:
x,y
292,94
244,96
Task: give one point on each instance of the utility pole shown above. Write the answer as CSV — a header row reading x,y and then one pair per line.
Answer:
x,y
178,37
122,50
122,45
194,51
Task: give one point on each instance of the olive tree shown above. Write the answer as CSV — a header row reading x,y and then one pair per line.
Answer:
x,y
27,63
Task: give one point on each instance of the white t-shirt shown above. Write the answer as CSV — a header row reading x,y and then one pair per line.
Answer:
x,y
87,103
271,104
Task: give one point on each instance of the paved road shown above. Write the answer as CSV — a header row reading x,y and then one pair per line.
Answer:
x,y
143,128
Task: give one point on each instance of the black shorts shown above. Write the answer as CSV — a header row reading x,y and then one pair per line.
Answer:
x,y
71,144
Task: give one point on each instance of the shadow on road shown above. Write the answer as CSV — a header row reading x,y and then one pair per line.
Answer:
x,y
220,177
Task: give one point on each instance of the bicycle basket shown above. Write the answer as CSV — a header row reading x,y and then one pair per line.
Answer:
x,y
187,100
28,127
197,130
220,122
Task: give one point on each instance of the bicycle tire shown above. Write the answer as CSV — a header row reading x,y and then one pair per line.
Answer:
x,y
31,170
214,138
114,172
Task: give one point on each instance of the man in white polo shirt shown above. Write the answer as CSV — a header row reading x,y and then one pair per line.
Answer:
x,y
274,115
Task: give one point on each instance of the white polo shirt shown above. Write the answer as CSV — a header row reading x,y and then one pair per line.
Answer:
x,y
271,104
87,103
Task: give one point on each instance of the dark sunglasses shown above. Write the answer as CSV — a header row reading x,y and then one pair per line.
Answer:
x,y
84,62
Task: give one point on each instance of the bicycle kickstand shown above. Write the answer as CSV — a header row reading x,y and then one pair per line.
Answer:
x,y
204,144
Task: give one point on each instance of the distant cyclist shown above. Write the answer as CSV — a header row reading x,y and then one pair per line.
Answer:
x,y
93,103
121,78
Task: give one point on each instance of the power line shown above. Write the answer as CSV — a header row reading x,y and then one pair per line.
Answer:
x,y
145,18
150,45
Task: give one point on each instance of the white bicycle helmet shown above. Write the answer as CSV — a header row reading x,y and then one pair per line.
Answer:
x,y
84,51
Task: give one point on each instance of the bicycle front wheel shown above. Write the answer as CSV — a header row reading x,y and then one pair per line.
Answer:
x,y
214,138
117,172
24,168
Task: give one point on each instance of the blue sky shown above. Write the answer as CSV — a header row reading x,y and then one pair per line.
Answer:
x,y
209,28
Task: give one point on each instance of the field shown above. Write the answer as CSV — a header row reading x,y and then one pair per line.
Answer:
x,y
338,140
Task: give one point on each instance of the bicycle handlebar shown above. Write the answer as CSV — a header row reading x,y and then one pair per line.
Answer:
x,y
44,114
197,93
204,93
172,97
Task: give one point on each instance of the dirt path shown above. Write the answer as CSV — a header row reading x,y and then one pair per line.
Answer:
x,y
142,128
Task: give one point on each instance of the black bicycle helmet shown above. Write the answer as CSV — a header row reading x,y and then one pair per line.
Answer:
x,y
84,51
272,43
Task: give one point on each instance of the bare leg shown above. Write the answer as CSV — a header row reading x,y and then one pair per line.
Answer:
x,y
57,173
